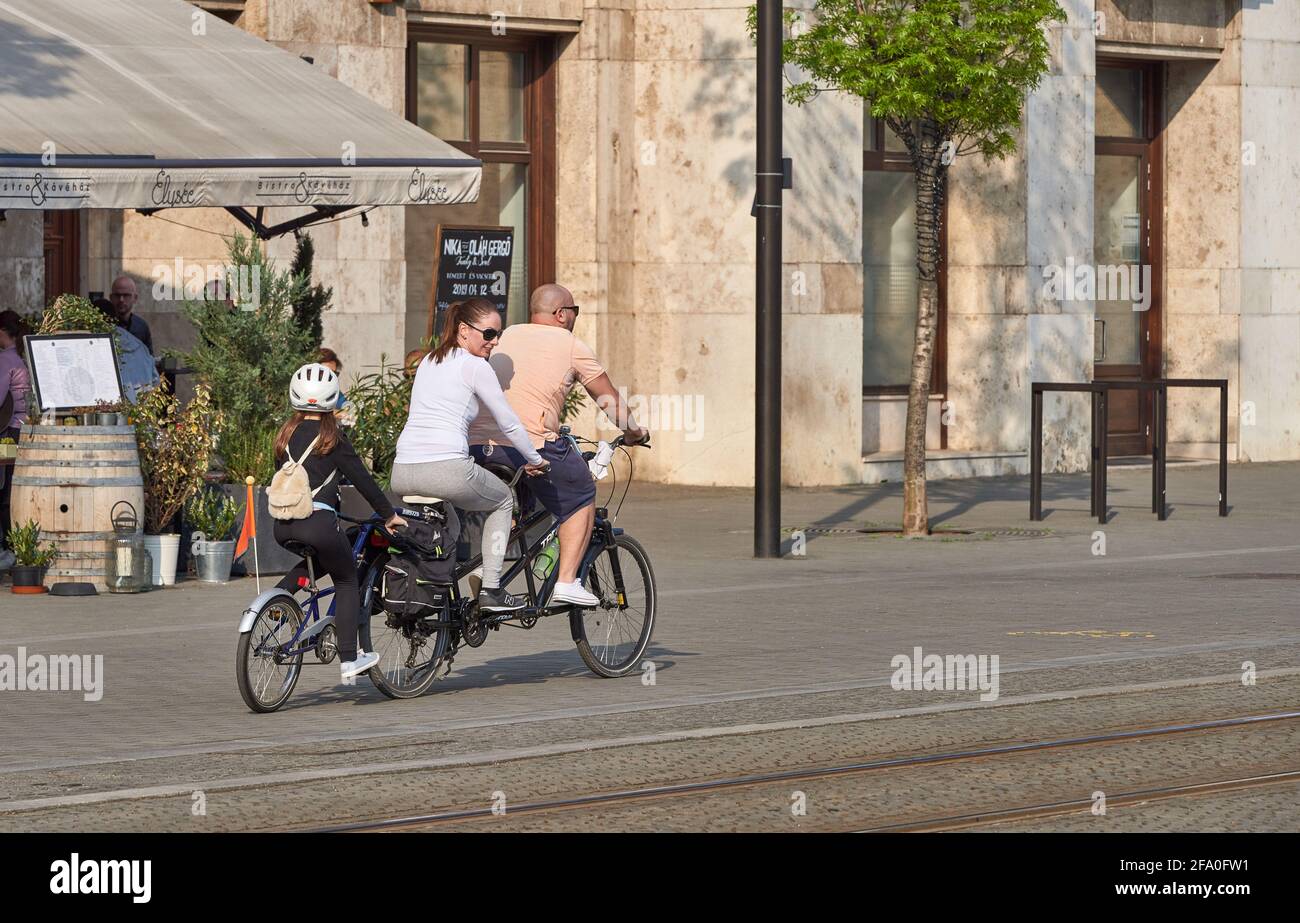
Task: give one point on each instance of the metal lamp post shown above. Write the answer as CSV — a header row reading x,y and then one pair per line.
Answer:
x,y
767,208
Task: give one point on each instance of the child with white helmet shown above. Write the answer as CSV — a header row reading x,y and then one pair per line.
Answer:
x,y
313,438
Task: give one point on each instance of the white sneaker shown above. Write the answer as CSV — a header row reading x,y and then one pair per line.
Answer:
x,y
574,593
364,661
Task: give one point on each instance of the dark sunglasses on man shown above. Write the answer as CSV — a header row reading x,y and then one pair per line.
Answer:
x,y
568,307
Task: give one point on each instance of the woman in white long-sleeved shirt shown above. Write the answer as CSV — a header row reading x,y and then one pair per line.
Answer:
x,y
433,453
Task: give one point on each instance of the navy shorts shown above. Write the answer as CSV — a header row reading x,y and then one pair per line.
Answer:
x,y
565,489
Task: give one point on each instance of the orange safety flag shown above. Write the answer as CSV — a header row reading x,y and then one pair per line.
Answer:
x,y
250,525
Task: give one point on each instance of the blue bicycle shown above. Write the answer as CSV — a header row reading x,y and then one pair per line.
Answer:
x,y
277,631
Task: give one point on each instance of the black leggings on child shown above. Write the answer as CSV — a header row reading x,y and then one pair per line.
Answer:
x,y
333,556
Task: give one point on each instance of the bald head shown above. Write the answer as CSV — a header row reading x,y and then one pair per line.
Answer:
x,y
123,296
544,307
547,299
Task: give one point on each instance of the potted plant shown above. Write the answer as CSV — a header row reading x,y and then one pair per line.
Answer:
x,y
109,413
175,445
211,515
84,416
72,313
31,559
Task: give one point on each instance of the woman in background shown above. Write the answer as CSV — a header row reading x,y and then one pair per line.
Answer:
x,y
14,386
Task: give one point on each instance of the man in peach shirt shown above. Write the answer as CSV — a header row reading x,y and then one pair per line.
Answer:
x,y
537,363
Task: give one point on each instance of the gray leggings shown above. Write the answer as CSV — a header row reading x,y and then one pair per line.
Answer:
x,y
466,485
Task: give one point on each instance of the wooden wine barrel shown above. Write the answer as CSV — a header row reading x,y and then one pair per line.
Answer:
x,y
68,478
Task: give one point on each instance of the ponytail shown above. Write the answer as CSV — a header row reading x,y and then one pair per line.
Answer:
x,y
460,312
12,324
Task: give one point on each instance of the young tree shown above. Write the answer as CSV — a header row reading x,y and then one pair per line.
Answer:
x,y
310,301
245,355
949,77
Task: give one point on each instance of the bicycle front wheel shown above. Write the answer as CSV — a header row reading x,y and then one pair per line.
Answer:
x,y
265,677
612,637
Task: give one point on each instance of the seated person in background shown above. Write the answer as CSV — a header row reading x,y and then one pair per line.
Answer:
x,y
15,386
138,368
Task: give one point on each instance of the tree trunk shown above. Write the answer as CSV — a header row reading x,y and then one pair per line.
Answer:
x,y
929,204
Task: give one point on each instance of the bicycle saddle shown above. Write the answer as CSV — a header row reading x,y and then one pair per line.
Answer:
x,y
302,549
419,499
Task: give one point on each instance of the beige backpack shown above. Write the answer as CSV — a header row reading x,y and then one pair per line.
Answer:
x,y
290,493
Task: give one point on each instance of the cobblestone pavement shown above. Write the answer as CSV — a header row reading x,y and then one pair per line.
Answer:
x,y
741,644
869,801
398,778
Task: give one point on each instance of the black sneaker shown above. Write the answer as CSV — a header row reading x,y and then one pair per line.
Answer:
x,y
498,600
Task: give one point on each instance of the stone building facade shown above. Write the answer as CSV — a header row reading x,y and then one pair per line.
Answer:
x,y
618,139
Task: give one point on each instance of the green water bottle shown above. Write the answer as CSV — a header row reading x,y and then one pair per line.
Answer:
x,y
544,563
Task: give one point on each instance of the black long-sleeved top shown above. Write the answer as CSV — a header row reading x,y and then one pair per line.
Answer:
x,y
343,460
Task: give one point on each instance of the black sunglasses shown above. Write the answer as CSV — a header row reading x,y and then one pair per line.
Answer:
x,y
568,307
490,334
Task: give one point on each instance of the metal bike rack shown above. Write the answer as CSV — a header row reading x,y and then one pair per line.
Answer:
x,y
1100,391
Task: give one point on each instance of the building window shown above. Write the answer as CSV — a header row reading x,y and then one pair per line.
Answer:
x,y
889,285
494,98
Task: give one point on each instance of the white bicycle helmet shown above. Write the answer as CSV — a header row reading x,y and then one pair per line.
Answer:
x,y
314,388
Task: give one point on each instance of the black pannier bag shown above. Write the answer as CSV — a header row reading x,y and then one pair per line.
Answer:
x,y
420,569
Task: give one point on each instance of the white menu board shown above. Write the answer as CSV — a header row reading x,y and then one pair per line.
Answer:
x,y
73,370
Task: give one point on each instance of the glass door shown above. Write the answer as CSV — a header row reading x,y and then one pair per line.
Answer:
x,y
1126,247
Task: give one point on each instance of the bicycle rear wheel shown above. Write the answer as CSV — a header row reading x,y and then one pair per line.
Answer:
x,y
265,681
410,651
612,637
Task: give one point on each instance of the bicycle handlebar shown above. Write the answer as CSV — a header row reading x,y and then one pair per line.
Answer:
x,y
621,440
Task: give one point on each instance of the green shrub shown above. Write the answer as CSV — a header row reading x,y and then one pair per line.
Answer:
x,y
25,540
175,445
72,312
247,451
379,402
574,401
213,513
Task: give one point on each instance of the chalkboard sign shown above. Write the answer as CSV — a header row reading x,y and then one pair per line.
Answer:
x,y
471,262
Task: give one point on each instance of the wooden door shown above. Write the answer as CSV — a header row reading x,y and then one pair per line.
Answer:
x,y
62,253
